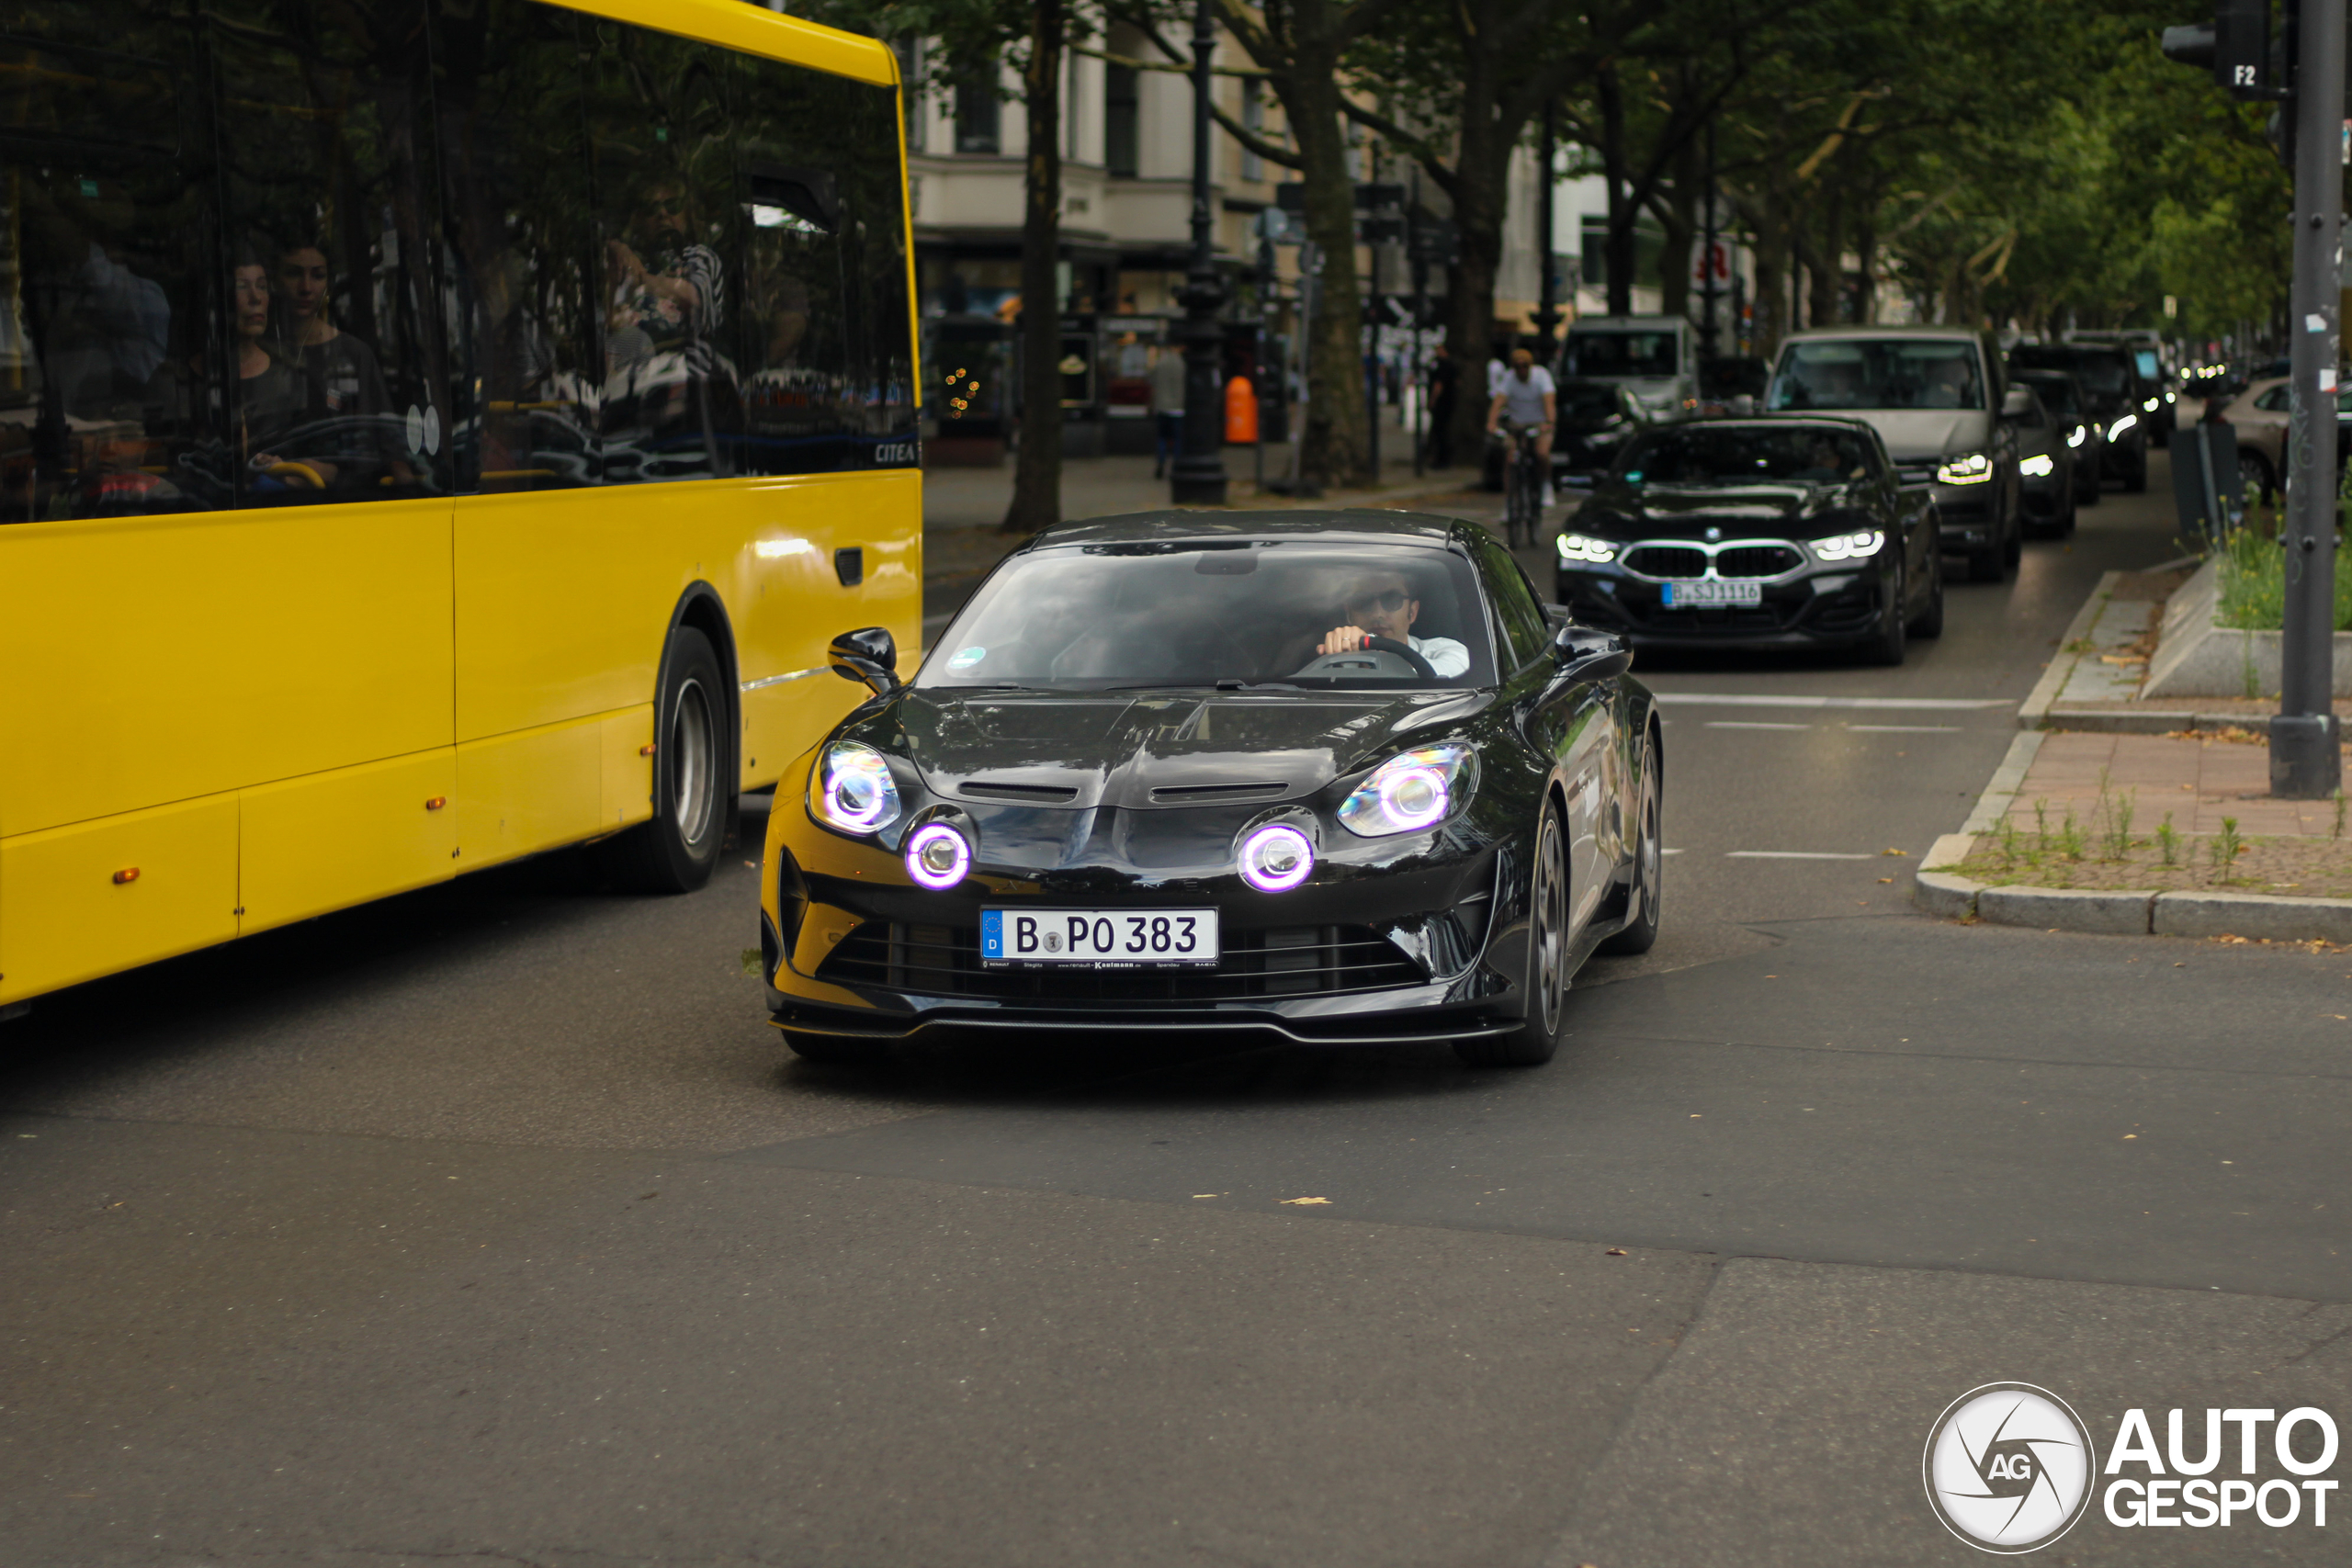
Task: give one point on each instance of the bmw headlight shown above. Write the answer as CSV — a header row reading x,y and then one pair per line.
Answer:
x,y
851,789
1973,470
1579,548
1408,794
2040,466
2115,430
1849,547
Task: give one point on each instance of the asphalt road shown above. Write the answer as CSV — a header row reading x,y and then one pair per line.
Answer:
x,y
492,1224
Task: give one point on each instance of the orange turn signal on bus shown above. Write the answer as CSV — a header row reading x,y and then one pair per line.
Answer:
x,y
127,873
645,750
436,803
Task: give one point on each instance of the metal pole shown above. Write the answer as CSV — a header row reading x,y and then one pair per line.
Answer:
x,y
1197,476
1416,254
2305,761
1707,326
1547,311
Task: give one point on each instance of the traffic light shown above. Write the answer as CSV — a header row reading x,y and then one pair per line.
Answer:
x,y
2236,47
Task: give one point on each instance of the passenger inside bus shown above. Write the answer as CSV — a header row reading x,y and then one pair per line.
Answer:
x,y
347,410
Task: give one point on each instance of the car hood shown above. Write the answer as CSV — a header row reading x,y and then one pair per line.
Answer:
x,y
1155,749
1796,511
1912,434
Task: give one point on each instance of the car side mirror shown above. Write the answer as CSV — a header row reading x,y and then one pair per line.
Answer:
x,y
1584,654
2016,404
869,654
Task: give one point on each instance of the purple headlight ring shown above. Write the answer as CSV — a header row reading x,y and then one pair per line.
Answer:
x,y
1276,882
923,838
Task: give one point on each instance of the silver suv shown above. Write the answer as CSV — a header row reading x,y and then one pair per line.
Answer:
x,y
1939,398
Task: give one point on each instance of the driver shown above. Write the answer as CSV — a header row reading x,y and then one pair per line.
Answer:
x,y
1381,604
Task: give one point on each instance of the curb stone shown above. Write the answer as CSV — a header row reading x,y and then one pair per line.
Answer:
x,y
2254,915
2067,909
2062,664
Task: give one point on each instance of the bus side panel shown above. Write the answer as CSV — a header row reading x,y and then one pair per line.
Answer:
x,y
520,793
625,741
316,844
564,599
149,660
83,901
788,603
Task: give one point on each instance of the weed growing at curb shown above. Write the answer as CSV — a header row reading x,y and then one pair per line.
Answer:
x,y
2168,841
2339,814
2223,849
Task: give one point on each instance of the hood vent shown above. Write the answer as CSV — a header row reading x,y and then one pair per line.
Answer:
x,y
1019,794
1214,794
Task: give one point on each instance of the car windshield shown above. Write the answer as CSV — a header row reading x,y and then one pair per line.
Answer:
x,y
1587,401
1732,455
2057,393
1621,354
1891,373
2102,372
1204,613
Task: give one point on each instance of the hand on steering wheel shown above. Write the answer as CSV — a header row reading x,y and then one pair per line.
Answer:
x,y
1421,667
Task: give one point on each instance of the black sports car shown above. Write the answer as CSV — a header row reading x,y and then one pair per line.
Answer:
x,y
1777,532
1335,776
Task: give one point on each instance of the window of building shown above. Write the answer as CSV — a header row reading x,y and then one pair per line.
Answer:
x,y
979,117
1122,118
1253,118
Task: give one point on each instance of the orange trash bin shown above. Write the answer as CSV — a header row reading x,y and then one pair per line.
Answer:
x,y
1240,412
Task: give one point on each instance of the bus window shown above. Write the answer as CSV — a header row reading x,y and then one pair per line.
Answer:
x,y
665,200
829,369
106,277
320,112
522,236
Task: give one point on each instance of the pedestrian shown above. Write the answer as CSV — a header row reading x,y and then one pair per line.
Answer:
x,y
1167,408
1445,393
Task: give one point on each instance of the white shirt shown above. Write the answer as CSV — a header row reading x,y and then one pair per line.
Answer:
x,y
1496,371
1445,656
1523,400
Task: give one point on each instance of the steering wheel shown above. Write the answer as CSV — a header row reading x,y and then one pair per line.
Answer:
x,y
1421,667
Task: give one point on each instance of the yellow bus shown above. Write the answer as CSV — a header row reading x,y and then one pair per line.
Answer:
x,y
432,431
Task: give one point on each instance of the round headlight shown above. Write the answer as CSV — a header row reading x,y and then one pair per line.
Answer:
x,y
1276,858
938,856
854,792
1414,798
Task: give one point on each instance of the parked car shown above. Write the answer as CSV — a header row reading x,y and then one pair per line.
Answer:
x,y
2045,464
1130,792
2121,402
1937,397
2062,396
1761,533
1654,357
2261,414
2146,347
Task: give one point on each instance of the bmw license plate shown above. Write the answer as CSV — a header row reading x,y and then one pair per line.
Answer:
x,y
1699,592
1099,939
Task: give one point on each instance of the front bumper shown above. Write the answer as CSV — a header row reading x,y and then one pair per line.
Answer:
x,y
1814,607
1389,941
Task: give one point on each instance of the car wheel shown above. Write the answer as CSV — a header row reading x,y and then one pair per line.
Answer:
x,y
1984,566
2074,509
2087,490
2136,482
1931,619
831,1048
1888,646
2014,551
693,798
1535,1040
1640,932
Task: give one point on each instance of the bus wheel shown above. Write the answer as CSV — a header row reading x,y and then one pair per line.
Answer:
x,y
693,800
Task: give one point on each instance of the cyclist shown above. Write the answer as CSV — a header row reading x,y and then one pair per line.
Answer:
x,y
1526,395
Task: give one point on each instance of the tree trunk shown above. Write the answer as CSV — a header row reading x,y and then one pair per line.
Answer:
x,y
1620,214
1681,220
1332,450
1037,462
1481,168
1826,262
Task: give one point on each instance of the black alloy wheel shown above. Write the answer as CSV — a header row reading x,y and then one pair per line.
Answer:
x,y
1649,862
1888,647
2014,551
693,801
2087,487
2136,482
1537,1039
1930,621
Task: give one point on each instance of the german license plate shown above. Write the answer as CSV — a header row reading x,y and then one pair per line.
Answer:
x,y
1701,592
1099,939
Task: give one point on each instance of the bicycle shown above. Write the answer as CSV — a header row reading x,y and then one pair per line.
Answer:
x,y
1522,485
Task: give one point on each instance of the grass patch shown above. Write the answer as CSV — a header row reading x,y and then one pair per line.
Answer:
x,y
2254,584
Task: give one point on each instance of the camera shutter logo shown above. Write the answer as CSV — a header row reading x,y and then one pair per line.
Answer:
x,y
2009,1468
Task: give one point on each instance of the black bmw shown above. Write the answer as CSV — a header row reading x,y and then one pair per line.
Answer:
x,y
1772,532
1338,777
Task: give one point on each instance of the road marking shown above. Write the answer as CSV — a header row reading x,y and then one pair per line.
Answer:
x,y
1791,854
1777,700
1750,724
1905,729
1670,851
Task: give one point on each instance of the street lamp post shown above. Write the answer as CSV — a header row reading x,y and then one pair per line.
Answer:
x,y
1197,476
2305,763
